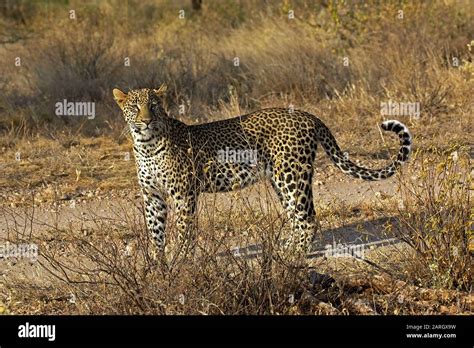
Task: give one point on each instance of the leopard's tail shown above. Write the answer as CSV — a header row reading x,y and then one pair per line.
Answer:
x,y
343,162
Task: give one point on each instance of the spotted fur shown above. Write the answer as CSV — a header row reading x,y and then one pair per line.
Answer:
x,y
181,161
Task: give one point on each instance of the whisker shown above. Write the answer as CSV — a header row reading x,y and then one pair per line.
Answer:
x,y
124,132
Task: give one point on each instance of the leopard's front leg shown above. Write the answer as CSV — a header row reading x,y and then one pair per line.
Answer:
x,y
155,214
186,223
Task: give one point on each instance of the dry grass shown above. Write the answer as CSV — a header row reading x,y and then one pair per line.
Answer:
x,y
436,220
296,61
107,267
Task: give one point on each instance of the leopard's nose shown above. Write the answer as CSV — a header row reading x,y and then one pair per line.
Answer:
x,y
145,115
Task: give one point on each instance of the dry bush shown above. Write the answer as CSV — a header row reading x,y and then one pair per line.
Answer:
x,y
109,270
436,220
299,61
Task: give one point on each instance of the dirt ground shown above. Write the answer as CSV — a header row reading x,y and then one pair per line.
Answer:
x,y
48,210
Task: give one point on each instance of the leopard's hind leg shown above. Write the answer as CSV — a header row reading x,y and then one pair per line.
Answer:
x,y
292,182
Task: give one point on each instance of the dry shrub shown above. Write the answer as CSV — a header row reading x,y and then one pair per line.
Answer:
x,y
436,219
107,267
298,60
111,271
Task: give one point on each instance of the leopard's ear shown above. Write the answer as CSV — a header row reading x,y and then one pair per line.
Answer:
x,y
119,97
160,91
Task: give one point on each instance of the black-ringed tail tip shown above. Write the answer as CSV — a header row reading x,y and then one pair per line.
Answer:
x,y
405,138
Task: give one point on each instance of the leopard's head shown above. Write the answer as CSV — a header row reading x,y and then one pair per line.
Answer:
x,y
142,108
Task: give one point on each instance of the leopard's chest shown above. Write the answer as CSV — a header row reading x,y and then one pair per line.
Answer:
x,y
157,167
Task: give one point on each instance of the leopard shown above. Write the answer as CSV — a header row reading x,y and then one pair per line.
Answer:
x,y
177,162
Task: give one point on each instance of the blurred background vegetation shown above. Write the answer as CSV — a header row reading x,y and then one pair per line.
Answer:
x,y
398,50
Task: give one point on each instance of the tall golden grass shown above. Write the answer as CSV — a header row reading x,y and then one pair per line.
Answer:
x,y
359,52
